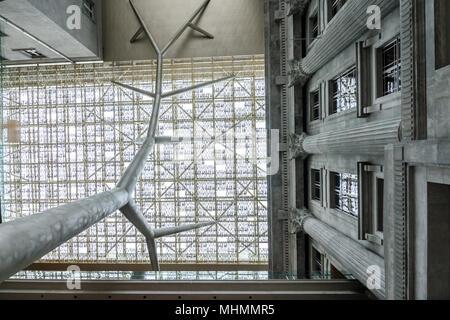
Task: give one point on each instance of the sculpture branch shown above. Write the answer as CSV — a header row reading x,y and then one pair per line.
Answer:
x,y
28,239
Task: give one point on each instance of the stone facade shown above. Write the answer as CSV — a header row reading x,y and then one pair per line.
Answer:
x,y
371,150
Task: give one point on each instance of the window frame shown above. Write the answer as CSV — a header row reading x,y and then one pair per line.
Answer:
x,y
376,205
370,196
334,97
317,269
314,106
313,184
313,32
334,192
394,68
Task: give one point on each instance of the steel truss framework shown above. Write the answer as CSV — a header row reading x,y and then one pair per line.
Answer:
x,y
37,235
79,133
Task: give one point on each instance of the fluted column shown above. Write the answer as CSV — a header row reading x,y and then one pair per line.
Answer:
x,y
355,258
368,139
349,24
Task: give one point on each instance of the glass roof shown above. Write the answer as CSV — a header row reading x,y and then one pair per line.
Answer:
x,y
78,132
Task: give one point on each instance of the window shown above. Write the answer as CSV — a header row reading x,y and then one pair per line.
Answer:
x,y
316,193
314,101
316,261
364,83
343,92
370,205
344,192
391,67
380,205
31,53
313,22
89,9
442,36
333,7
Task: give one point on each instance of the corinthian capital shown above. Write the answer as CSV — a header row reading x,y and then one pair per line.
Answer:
x,y
297,218
296,74
296,145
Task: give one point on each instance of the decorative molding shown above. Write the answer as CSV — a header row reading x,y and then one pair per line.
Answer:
x,y
297,76
296,146
297,218
297,7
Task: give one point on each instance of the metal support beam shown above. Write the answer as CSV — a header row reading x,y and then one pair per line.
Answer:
x,y
194,87
143,92
159,233
189,24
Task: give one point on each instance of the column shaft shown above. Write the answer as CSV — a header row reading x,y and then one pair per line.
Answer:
x,y
349,24
357,260
367,139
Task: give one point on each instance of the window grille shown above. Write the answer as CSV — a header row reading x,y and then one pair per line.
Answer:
x,y
344,92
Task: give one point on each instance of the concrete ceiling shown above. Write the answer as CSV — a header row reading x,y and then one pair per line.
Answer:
x,y
238,27
46,20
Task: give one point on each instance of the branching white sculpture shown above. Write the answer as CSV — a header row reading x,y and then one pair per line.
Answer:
x,y
26,240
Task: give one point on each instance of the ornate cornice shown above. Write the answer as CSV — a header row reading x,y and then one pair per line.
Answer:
x,y
296,145
297,218
296,6
297,76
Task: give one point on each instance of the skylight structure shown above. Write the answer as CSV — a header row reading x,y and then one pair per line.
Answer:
x,y
79,132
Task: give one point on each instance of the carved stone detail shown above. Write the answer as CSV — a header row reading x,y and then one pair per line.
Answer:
x,y
297,218
296,74
296,146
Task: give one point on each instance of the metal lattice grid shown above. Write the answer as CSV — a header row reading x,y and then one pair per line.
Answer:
x,y
79,133
144,276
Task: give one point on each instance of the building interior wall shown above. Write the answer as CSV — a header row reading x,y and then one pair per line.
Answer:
x,y
409,200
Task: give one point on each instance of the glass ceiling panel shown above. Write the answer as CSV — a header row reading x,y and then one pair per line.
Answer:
x,y
78,133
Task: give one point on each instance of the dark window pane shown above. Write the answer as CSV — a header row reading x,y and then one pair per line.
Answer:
x,y
380,204
314,26
334,6
315,185
391,67
315,105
